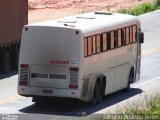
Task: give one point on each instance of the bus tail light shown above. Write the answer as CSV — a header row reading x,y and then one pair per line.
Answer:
x,y
24,66
73,86
23,82
24,74
73,78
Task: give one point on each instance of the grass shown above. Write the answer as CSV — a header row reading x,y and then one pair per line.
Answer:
x,y
151,106
147,109
141,9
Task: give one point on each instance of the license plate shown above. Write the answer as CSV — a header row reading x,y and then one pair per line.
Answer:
x,y
47,91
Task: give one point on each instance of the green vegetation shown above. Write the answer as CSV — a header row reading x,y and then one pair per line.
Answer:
x,y
141,9
151,106
147,109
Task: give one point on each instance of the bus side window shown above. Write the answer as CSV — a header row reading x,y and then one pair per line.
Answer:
x,y
108,41
104,38
94,44
98,44
89,46
124,37
112,39
115,39
134,33
127,35
131,34
85,47
119,38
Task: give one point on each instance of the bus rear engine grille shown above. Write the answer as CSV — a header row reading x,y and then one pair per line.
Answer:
x,y
48,76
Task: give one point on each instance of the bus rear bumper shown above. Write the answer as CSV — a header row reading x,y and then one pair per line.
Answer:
x,y
50,92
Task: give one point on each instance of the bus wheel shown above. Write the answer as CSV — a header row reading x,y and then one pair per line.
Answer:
x,y
101,92
6,61
98,93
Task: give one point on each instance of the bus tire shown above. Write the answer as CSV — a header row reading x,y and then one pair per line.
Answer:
x,y
97,93
6,62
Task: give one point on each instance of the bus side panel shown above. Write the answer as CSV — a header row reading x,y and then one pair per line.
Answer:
x,y
114,64
117,78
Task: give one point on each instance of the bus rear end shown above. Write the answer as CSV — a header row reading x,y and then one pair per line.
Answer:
x,y
49,63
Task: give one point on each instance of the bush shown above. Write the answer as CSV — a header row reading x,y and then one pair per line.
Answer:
x,y
147,107
141,9
144,8
153,105
157,3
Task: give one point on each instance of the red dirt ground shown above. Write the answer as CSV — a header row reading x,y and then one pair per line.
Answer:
x,y
41,10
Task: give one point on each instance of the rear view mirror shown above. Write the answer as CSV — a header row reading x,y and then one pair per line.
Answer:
x,y
141,37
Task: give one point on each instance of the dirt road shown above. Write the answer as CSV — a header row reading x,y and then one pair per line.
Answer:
x,y
41,10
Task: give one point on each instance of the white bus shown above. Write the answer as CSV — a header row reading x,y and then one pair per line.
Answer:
x,y
84,56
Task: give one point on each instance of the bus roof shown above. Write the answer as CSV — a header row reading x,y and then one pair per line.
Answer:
x,y
89,23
